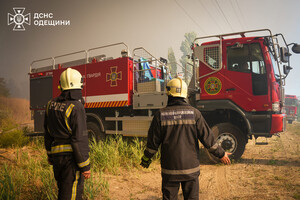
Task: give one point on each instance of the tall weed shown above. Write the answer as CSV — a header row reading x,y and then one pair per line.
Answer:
x,y
8,188
116,152
96,185
29,176
37,175
14,138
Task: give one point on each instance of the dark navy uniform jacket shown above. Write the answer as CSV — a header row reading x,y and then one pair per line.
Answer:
x,y
177,128
65,128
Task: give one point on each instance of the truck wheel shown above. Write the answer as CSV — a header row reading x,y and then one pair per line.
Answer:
x,y
230,138
95,132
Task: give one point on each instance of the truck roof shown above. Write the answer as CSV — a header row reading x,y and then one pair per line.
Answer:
x,y
230,40
291,96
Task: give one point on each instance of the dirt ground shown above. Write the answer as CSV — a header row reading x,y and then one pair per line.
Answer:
x,y
265,172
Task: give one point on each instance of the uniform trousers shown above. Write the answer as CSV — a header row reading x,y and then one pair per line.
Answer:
x,y
69,179
190,189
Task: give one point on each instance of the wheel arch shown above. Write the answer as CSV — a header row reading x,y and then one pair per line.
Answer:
x,y
222,111
92,117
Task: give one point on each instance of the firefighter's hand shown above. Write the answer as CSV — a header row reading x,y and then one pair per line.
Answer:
x,y
145,162
86,174
50,161
225,159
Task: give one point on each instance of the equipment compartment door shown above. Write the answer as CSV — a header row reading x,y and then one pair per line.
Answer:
x,y
40,94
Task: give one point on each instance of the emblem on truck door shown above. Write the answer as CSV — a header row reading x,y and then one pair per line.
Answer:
x,y
114,76
212,85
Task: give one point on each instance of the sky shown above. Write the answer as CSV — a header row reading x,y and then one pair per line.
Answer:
x,y
155,25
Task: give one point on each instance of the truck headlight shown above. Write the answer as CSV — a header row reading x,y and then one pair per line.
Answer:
x,y
275,107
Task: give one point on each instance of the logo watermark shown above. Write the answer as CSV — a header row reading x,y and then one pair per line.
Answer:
x,y
19,19
39,19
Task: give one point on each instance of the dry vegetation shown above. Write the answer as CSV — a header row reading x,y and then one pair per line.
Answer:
x,y
18,109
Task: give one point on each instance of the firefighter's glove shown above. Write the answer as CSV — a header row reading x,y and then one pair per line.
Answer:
x,y
146,161
50,160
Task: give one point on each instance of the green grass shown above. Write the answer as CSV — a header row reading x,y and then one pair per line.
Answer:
x,y
117,152
11,135
28,175
13,138
8,189
95,186
6,123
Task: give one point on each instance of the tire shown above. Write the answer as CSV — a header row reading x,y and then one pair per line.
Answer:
x,y
231,139
95,132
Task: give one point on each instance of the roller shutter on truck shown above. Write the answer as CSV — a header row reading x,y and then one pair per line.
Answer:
x,y
40,94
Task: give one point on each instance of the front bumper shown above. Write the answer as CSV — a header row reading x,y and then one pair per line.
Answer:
x,y
291,118
278,123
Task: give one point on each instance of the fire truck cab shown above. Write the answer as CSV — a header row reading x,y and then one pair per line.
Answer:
x,y
291,105
239,85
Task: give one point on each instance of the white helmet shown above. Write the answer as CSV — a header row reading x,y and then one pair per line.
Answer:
x,y
70,79
177,88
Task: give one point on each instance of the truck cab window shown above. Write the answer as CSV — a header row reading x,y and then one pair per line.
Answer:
x,y
248,58
258,68
291,102
274,64
238,58
257,61
212,56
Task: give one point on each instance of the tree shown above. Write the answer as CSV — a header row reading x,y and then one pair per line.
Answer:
x,y
185,61
172,62
3,89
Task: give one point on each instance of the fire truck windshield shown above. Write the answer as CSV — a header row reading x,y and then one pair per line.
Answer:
x,y
291,102
274,64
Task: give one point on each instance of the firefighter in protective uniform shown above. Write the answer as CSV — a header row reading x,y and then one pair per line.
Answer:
x,y
177,128
66,137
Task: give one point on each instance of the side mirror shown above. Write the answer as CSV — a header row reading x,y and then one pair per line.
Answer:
x,y
284,54
296,48
286,69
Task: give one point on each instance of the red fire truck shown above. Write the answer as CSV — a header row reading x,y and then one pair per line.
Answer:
x,y
239,85
122,93
291,105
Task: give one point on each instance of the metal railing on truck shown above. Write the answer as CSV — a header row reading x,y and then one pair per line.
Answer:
x,y
87,58
149,73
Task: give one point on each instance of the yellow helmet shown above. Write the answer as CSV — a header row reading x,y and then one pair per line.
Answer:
x,y
177,88
70,79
